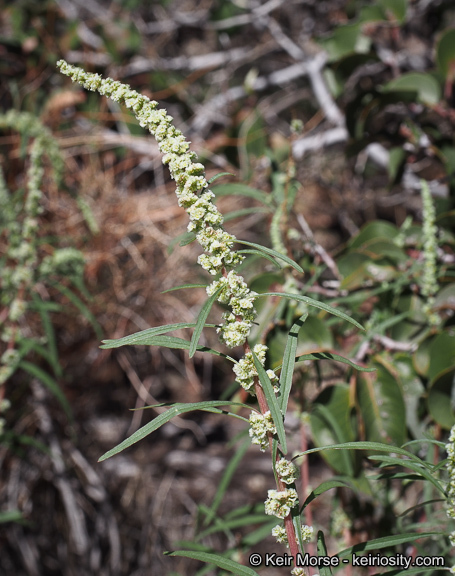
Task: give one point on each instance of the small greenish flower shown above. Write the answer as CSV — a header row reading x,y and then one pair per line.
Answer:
x,y
260,426
286,470
245,370
299,571
282,538
280,503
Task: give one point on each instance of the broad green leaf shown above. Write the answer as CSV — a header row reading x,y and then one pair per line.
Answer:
x,y
205,310
324,487
287,369
445,53
50,383
440,398
331,423
425,85
184,286
386,542
397,8
217,560
372,231
382,408
327,355
160,420
272,403
314,303
322,551
142,337
442,354
273,253
242,190
213,178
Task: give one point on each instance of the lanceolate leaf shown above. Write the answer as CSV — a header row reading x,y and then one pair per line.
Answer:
x,y
335,357
217,560
323,487
387,460
314,303
322,551
262,255
378,446
184,286
49,382
213,178
205,310
236,189
273,253
176,410
272,402
143,337
387,541
287,369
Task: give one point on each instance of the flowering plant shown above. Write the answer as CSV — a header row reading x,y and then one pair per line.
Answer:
x,y
229,288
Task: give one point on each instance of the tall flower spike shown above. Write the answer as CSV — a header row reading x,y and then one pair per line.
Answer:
x,y
193,194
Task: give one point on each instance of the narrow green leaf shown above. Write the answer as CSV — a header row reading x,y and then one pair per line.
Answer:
x,y
273,253
160,420
50,335
222,525
387,541
188,238
366,446
245,212
217,560
236,189
272,402
289,359
332,356
50,383
213,178
77,302
262,255
417,468
184,286
11,516
322,551
314,303
141,338
205,310
323,487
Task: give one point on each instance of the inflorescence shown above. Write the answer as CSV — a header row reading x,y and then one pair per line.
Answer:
x,y
206,222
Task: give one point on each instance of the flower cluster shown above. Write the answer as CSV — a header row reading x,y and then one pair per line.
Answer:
x,y
192,192
286,470
235,293
260,426
429,283
281,503
282,538
450,448
245,370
